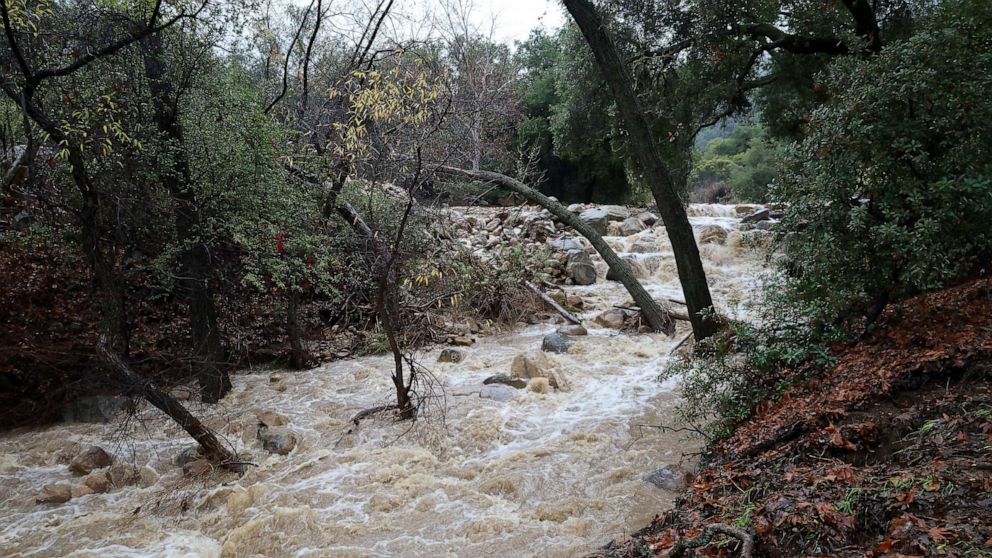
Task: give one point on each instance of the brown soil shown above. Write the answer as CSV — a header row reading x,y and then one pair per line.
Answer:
x,y
887,454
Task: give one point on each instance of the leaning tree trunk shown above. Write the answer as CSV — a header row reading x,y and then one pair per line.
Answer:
x,y
137,385
208,350
659,319
642,143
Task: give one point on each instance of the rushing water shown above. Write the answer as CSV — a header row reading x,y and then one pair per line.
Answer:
x,y
546,474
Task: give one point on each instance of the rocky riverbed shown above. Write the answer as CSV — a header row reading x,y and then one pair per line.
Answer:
x,y
536,447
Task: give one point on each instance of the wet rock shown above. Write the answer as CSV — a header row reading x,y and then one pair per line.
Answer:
x,y
643,246
80,491
54,494
631,226
93,458
120,475
187,455
613,318
98,482
555,343
270,418
668,478
575,208
713,234
579,268
766,225
199,468
597,218
450,355
497,392
759,215
648,218
616,212
574,300
635,267
98,408
572,329
518,383
565,245
278,439
536,364
462,341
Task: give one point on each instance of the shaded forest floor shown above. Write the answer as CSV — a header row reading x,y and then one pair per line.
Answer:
x,y
889,453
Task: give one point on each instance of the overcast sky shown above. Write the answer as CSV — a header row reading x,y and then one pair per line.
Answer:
x,y
515,18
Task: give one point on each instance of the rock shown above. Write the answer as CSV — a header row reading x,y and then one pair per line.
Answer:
x,y
270,418
759,215
631,226
668,478
536,364
766,225
565,245
278,439
450,355
596,218
98,482
80,491
614,229
648,218
579,268
613,318
518,383
635,267
573,330
497,392
644,246
93,458
713,234
98,408
199,468
573,300
187,455
462,341
616,212
120,475
555,343
54,494
575,208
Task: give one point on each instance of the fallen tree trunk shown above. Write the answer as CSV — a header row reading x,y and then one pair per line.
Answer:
x,y
137,385
658,318
551,302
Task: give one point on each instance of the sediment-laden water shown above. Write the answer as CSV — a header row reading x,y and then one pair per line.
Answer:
x,y
545,474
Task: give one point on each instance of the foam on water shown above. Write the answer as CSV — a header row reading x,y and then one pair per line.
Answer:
x,y
549,473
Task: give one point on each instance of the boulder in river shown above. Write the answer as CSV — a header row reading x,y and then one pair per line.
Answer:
x,y
565,244
759,215
613,318
279,440
713,234
518,383
54,494
635,267
270,418
98,482
669,478
631,226
597,218
573,329
462,341
497,392
616,212
536,364
93,458
189,454
648,218
555,343
450,355
580,268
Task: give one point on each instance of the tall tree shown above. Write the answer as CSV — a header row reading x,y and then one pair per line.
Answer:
x,y
656,173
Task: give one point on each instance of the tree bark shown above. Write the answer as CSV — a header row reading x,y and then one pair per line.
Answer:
x,y
657,318
658,175
194,284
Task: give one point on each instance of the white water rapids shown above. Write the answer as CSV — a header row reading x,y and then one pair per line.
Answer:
x,y
545,474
